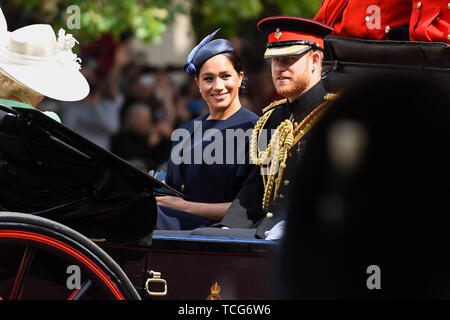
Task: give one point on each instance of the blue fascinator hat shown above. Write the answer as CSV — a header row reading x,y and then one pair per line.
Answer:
x,y
204,50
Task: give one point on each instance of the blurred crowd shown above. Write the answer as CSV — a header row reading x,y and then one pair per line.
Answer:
x,y
134,107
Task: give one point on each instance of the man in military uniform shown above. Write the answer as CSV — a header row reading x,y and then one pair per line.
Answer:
x,y
295,47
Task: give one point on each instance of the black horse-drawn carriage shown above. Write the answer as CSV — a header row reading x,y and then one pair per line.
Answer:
x,y
77,221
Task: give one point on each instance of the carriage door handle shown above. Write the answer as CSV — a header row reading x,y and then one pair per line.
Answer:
x,y
155,277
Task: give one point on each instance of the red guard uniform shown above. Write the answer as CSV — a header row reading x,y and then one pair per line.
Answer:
x,y
430,21
367,19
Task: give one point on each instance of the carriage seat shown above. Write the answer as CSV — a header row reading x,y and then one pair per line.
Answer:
x,y
200,240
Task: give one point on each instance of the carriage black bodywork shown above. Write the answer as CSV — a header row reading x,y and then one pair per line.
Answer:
x,y
72,209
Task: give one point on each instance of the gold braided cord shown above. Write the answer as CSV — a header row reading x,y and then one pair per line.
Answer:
x,y
288,143
273,160
274,104
264,156
282,141
254,147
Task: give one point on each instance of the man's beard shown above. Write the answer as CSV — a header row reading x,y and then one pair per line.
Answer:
x,y
295,87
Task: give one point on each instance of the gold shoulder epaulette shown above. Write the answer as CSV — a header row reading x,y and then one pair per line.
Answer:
x,y
330,96
274,104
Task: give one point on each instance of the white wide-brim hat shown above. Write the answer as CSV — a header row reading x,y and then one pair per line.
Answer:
x,y
35,58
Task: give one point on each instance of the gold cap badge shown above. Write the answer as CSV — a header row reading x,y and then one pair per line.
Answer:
x,y
215,292
278,34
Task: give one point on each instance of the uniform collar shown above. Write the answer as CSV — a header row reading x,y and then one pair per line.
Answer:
x,y
308,101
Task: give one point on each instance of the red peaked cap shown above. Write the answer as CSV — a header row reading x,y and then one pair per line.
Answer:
x,y
286,31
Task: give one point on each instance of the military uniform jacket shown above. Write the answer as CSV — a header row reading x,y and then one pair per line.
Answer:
x,y
367,19
246,209
426,20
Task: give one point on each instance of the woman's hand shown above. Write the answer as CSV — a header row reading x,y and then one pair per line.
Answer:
x,y
212,211
172,202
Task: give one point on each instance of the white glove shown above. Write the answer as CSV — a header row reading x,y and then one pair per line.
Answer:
x,y
276,232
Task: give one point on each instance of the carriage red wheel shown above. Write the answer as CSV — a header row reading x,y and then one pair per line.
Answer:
x,y
35,253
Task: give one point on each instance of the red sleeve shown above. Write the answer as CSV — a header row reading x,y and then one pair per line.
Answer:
x,y
330,11
430,21
366,19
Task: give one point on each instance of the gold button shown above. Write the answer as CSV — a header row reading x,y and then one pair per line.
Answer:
x,y
269,215
419,5
281,196
182,187
367,18
448,37
387,29
286,182
448,6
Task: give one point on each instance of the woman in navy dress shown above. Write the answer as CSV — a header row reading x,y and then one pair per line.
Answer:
x,y
209,161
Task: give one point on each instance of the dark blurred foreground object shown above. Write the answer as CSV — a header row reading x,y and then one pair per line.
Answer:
x,y
372,190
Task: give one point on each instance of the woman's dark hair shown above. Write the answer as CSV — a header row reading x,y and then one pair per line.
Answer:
x,y
235,60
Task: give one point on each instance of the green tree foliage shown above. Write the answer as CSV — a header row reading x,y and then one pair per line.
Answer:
x,y
147,19
233,15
